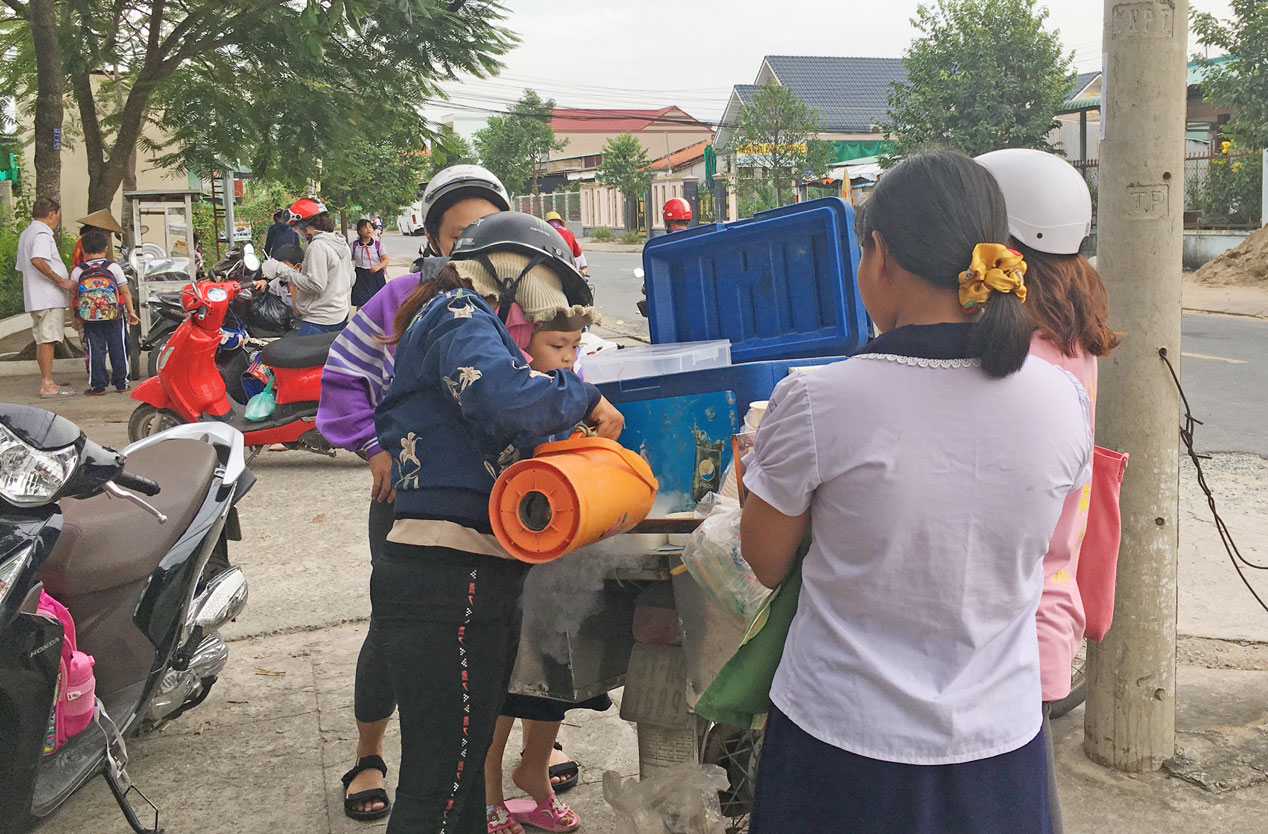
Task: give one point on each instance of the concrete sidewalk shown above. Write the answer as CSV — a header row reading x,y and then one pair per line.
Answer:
x,y
264,754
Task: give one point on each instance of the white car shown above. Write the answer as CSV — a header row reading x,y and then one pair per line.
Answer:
x,y
410,220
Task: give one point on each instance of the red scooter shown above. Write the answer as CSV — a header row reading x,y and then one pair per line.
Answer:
x,y
200,380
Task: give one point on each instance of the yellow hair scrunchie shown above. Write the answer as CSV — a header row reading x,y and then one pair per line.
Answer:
x,y
994,268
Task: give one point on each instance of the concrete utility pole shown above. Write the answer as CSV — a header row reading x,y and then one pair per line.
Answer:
x,y
1263,193
1130,721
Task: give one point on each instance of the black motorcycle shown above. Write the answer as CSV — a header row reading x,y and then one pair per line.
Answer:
x,y
148,583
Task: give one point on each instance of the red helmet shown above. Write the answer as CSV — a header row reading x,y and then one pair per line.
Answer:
x,y
676,208
306,208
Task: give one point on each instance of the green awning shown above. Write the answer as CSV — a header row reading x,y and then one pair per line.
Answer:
x,y
845,150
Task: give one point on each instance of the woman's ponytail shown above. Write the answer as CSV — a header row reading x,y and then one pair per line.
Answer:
x,y
1002,335
444,281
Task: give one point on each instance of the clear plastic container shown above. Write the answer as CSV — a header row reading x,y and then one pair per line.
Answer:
x,y
657,360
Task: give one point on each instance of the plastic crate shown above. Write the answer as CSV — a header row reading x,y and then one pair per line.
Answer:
x,y
677,421
780,285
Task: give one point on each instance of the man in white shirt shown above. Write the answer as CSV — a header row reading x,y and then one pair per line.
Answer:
x,y
45,288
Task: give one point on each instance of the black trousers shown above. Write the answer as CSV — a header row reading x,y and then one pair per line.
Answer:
x,y
449,625
102,339
372,692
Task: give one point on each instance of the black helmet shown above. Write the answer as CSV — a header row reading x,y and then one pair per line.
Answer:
x,y
513,231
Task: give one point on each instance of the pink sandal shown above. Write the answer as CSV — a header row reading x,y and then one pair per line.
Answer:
x,y
500,819
552,814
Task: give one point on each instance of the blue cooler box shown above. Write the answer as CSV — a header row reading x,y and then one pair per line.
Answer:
x,y
780,285
682,423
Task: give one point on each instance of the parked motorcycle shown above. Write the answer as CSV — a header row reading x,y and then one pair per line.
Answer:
x,y
261,315
147,582
198,381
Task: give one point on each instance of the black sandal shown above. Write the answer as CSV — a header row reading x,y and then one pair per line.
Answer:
x,y
570,770
352,803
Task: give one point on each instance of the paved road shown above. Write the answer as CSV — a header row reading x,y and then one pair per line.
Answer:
x,y
1224,368
1225,374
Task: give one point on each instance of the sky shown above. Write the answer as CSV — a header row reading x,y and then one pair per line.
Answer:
x,y
653,53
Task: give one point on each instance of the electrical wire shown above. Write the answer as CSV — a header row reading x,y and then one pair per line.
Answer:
x,y
1187,427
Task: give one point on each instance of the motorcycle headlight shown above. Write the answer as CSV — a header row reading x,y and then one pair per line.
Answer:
x,y
30,477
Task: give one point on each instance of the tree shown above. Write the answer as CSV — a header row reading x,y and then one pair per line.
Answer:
x,y
33,42
624,166
1239,79
516,146
775,142
984,75
262,81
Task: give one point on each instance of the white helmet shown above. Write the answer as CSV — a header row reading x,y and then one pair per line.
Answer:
x,y
459,182
1049,206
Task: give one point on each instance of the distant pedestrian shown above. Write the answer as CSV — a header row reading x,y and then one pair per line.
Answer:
x,y
280,233
45,288
370,263
557,223
99,289
101,221
378,225
677,214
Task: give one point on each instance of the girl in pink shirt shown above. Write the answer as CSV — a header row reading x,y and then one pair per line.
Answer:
x,y
1049,215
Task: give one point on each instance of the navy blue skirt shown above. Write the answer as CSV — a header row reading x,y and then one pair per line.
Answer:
x,y
805,786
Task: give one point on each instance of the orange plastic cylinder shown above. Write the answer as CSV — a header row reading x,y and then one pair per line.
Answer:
x,y
571,493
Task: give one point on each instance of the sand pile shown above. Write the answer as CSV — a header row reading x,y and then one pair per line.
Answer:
x,y
1244,265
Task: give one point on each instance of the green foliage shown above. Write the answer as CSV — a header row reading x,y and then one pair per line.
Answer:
x,y
775,145
1240,80
631,238
602,234
754,195
279,87
516,146
1229,194
983,75
624,165
365,178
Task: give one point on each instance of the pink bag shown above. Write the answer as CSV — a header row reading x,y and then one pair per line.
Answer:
x,y
75,701
1098,558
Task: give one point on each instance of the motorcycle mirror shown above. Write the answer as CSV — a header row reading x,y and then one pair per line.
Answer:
x,y
249,258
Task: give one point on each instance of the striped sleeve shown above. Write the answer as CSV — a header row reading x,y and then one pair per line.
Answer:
x,y
355,379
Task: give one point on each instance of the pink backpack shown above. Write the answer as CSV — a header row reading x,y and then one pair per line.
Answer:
x,y
75,701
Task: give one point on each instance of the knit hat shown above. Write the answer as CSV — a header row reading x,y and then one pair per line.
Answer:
x,y
540,293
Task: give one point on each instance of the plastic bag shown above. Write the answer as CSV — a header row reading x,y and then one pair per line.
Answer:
x,y
712,557
260,407
267,313
682,799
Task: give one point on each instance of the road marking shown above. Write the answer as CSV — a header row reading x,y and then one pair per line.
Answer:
x,y
1215,358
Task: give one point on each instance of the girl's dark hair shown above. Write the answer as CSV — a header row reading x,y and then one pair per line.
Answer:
x,y
363,222
324,222
1066,300
932,209
447,279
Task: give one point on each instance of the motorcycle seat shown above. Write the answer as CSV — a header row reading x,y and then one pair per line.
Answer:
x,y
298,351
106,542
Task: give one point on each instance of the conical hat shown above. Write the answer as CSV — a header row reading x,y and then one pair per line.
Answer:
x,y
102,219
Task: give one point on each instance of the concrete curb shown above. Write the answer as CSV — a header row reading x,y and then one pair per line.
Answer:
x,y
1260,316
61,367
14,324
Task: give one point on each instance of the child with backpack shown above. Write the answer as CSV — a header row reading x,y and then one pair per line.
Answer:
x,y
100,290
370,264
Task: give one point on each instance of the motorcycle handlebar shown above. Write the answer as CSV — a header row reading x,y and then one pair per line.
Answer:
x,y
136,483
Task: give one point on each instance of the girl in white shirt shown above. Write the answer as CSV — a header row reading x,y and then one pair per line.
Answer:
x,y
931,469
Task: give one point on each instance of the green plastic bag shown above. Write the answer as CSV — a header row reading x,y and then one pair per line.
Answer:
x,y
740,694
260,407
